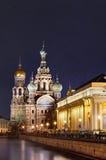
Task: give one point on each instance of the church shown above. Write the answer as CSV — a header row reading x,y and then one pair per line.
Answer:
x,y
33,106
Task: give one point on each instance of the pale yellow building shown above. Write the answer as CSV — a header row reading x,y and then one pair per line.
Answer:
x,y
84,109
4,125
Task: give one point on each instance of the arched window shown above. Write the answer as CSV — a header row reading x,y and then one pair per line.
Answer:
x,y
20,91
44,86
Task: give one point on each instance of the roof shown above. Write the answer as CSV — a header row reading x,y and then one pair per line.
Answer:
x,y
1,117
99,78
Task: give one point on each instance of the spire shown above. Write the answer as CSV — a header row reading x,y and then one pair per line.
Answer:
x,y
19,65
57,78
69,91
69,85
43,46
32,78
43,56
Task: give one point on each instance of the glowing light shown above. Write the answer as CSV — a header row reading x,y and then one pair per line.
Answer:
x,y
47,124
99,117
41,125
37,126
23,127
64,121
32,126
80,120
54,122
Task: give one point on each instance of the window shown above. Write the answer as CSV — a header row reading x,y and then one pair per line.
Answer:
x,y
20,92
44,86
41,111
32,121
32,111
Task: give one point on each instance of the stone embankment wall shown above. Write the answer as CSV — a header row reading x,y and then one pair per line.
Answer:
x,y
96,150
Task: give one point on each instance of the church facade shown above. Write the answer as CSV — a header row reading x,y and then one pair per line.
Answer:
x,y
33,106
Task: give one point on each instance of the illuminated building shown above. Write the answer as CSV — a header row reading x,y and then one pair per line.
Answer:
x,y
84,109
3,125
34,106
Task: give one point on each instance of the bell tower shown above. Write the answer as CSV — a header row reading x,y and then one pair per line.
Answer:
x,y
43,78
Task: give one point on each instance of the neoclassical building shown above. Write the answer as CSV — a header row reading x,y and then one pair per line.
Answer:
x,y
3,125
84,109
33,105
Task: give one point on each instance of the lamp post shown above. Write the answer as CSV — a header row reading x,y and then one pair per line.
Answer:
x,y
32,128
36,127
23,128
54,123
41,126
80,120
65,125
47,124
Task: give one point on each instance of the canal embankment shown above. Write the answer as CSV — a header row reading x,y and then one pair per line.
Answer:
x,y
86,149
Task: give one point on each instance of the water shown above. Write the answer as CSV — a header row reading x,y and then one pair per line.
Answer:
x,y
13,149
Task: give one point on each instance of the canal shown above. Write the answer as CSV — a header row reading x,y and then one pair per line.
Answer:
x,y
13,149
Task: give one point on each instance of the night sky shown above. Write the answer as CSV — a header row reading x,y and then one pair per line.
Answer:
x,y
74,32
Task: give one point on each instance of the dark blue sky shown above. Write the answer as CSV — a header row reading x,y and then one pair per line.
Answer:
x,y
74,32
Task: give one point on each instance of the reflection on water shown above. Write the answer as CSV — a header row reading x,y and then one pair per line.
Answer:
x,y
11,149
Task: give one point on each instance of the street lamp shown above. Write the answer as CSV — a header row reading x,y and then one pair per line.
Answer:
x,y
32,128
80,120
65,125
47,124
23,126
54,123
36,127
41,126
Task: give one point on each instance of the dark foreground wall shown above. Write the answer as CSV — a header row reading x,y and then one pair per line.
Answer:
x,y
96,150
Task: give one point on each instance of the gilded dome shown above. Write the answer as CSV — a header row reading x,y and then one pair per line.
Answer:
x,y
20,72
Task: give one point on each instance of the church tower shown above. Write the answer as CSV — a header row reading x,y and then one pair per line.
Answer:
x,y
43,78
19,93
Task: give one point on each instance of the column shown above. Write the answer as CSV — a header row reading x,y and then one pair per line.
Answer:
x,y
83,116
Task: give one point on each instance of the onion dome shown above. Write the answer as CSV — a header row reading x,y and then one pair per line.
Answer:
x,y
31,86
20,72
57,87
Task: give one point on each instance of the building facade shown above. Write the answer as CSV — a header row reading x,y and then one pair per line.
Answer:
x,y
33,106
84,109
3,125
